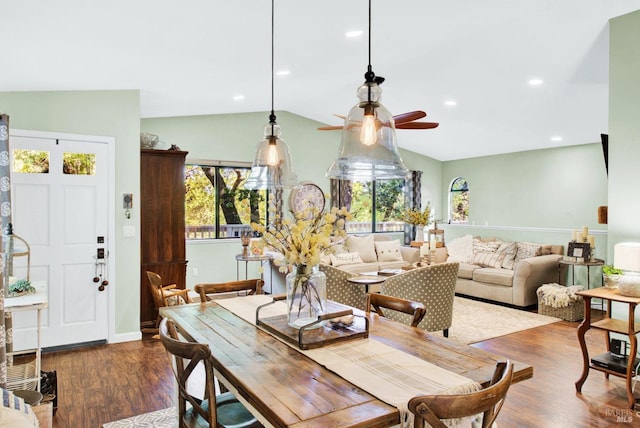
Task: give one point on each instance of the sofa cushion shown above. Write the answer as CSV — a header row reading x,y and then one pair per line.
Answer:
x,y
465,270
364,246
494,276
345,259
484,246
509,249
492,259
460,249
388,251
527,249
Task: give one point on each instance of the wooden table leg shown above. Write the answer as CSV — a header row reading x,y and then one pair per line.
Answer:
x,y
582,329
632,355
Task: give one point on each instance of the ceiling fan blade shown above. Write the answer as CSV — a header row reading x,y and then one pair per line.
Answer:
x,y
343,117
409,116
329,128
417,125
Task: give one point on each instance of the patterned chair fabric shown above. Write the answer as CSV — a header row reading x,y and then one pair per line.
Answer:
x,y
433,286
342,291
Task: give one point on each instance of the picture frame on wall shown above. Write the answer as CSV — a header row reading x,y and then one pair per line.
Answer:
x,y
580,250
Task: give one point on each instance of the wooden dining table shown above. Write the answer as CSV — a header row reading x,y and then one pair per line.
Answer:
x,y
285,388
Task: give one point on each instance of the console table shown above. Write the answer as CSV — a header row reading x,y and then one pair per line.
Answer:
x,y
628,327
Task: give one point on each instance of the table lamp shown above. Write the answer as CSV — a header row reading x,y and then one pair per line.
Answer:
x,y
626,256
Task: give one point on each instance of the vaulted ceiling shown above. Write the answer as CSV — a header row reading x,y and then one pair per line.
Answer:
x,y
198,56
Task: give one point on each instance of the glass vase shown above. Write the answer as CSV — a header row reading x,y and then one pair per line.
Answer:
x,y
306,295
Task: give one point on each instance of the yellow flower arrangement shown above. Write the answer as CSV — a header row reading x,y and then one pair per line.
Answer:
x,y
302,239
417,217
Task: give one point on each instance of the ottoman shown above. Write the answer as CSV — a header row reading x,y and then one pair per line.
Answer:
x,y
558,301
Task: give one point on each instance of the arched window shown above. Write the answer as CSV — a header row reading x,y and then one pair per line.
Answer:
x,y
459,201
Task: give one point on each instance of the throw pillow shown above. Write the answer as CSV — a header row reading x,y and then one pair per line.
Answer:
x,y
388,251
492,260
509,249
345,259
460,249
363,246
484,246
526,250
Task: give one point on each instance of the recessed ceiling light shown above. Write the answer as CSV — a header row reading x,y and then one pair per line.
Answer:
x,y
238,97
556,138
535,82
283,72
450,103
352,34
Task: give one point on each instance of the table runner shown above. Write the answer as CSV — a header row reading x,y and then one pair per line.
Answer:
x,y
389,374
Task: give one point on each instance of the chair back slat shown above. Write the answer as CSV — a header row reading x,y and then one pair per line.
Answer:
x,y
487,401
250,286
377,301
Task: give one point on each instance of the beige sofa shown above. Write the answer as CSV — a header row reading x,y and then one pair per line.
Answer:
x,y
371,253
484,276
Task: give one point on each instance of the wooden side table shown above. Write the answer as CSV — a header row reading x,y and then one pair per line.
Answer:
x,y
628,327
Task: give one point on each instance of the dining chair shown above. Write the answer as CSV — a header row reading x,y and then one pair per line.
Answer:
x,y
342,291
377,301
222,410
488,402
250,286
165,295
433,286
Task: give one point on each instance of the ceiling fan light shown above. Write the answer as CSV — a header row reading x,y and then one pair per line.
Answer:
x,y
358,161
272,167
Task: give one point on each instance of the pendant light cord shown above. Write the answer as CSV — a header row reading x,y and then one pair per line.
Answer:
x,y
272,116
369,76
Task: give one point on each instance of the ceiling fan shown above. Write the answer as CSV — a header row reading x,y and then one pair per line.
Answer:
x,y
402,121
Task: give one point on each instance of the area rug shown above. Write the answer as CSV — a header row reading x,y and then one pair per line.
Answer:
x,y
475,321
165,418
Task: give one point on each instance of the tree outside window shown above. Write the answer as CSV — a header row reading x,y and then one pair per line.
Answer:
x,y
216,203
377,206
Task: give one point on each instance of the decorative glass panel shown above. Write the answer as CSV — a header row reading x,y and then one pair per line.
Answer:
x,y
30,161
459,201
79,163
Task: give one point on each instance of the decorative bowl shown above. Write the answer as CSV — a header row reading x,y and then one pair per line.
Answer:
x,y
629,285
148,141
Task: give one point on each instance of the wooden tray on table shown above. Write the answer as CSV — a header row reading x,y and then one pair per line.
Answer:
x,y
311,336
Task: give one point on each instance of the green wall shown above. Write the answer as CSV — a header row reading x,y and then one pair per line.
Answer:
x,y
103,113
538,195
234,137
624,129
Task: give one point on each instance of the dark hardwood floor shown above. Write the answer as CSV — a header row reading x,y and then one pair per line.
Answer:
x,y
110,382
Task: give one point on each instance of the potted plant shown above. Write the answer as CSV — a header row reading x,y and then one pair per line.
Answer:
x,y
21,286
611,276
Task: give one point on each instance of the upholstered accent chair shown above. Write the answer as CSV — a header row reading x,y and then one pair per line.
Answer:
x,y
433,286
342,291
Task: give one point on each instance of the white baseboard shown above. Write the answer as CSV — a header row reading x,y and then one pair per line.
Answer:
x,y
126,337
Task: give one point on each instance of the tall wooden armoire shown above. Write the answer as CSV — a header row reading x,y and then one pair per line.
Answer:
x,y
162,225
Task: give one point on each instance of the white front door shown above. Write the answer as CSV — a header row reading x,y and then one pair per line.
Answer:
x,y
62,212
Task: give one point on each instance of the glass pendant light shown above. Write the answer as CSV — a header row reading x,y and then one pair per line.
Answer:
x,y
272,167
368,150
